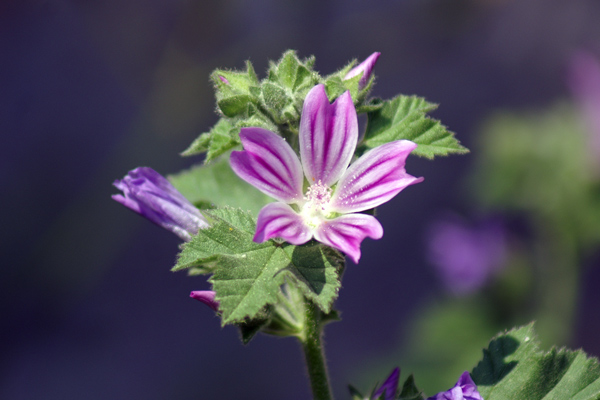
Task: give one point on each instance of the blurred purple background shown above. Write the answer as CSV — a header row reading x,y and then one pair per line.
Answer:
x,y
92,89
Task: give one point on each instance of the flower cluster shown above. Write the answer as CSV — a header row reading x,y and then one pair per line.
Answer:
x,y
321,195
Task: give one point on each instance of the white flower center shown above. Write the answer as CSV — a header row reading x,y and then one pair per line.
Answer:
x,y
316,208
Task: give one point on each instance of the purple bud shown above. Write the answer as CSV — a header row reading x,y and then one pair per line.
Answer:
x,y
365,68
151,195
223,79
467,256
465,389
390,386
207,297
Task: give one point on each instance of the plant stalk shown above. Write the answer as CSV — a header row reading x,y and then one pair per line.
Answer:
x,y
313,352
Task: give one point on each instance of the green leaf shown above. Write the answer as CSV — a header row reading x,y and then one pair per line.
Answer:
x,y
316,269
513,367
216,185
230,233
247,281
404,117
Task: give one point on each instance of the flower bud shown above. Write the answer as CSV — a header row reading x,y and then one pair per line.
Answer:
x,y
365,68
207,297
151,195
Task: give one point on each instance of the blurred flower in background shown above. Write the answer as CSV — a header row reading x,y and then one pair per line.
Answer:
x,y
584,82
466,256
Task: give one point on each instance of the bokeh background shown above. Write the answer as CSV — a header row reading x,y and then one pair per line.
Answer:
x,y
92,89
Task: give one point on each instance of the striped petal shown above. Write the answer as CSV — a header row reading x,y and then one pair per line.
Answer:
x,y
328,135
345,233
374,178
269,164
280,220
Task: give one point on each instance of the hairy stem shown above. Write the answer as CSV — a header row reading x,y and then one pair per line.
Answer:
x,y
313,352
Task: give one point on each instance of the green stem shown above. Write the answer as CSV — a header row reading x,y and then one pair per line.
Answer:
x,y
313,352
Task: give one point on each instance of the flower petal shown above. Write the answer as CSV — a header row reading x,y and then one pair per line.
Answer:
x,y
345,233
365,68
374,178
269,164
280,220
328,135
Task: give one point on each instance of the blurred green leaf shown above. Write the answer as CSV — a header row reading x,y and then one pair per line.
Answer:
x,y
216,185
539,162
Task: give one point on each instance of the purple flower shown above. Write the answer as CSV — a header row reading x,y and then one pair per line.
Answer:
x,y
207,297
365,68
327,203
467,257
149,194
223,79
465,389
584,82
390,386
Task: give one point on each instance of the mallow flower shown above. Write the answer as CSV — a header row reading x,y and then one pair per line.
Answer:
x,y
465,389
365,68
151,195
207,297
322,196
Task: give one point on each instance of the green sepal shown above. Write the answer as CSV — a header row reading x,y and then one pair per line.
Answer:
x,y
235,96
239,82
372,105
356,395
236,105
275,99
292,73
332,316
249,329
204,142
335,86
513,367
410,391
404,117
216,185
